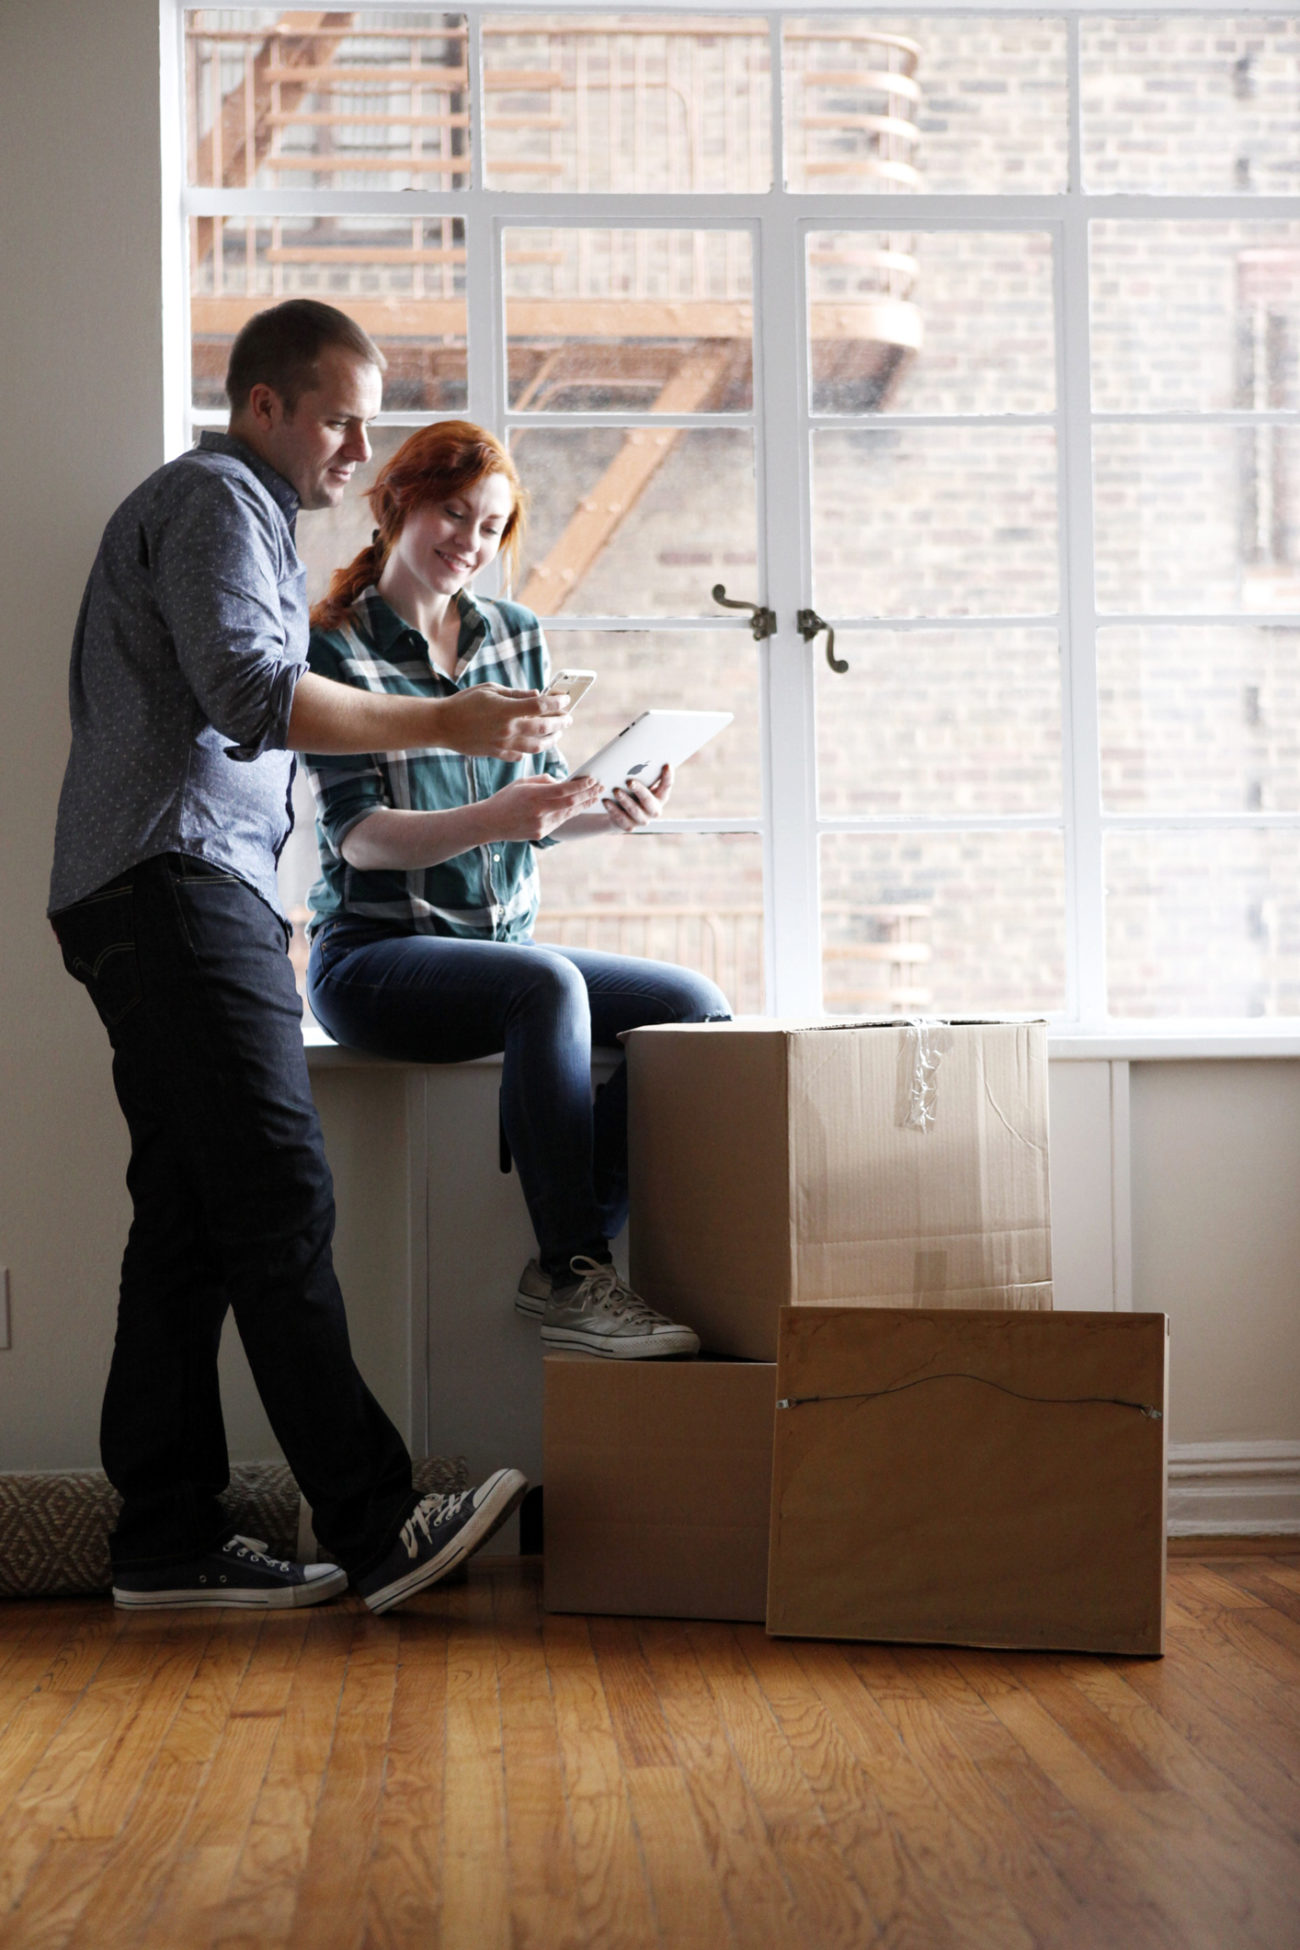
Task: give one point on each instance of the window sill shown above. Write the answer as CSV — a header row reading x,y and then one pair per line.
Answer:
x,y
1189,1041
1186,1041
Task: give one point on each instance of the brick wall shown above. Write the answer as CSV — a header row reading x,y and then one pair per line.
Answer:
x,y
961,521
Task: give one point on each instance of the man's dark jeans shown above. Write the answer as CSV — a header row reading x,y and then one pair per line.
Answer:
x,y
233,1208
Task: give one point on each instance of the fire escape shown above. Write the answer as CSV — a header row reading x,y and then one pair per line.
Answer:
x,y
327,100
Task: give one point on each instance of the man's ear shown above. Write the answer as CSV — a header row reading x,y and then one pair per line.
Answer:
x,y
265,407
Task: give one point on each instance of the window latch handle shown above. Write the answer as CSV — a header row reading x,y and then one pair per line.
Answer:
x,y
810,623
761,621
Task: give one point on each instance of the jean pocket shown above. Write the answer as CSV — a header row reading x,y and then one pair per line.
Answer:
x,y
188,869
97,939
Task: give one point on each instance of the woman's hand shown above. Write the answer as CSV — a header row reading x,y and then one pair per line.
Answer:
x,y
394,839
634,805
529,809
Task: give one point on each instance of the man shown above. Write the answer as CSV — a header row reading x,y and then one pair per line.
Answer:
x,y
189,693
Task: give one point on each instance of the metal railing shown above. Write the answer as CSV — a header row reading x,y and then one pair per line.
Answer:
x,y
586,103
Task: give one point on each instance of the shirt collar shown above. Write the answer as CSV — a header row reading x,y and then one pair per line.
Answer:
x,y
275,484
385,626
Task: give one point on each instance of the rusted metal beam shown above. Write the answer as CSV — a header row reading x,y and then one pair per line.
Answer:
x,y
599,515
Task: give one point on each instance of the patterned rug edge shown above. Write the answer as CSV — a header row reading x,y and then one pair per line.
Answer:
x,y
55,1524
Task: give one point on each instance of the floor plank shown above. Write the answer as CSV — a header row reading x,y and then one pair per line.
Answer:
x,y
829,1899
749,1878
470,1774
816,1707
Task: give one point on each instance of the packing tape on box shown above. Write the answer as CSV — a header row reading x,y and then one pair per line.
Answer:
x,y
925,1041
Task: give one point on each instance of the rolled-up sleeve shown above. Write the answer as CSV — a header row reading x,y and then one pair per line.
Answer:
x,y
217,578
347,791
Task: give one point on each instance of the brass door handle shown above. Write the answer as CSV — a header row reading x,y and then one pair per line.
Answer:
x,y
761,621
810,623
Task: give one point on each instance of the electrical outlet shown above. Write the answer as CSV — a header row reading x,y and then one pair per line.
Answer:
x,y
5,1340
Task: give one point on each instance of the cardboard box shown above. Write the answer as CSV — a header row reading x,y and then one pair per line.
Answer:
x,y
657,1478
779,1164
980,1478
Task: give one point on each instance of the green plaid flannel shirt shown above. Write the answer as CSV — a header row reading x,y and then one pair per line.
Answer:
x,y
489,893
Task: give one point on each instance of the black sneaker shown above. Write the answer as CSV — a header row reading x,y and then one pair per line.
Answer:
x,y
239,1573
440,1533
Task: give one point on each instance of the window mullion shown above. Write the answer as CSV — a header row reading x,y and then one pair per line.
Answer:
x,y
789,737
1080,731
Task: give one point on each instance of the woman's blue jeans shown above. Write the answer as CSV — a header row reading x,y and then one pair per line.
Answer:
x,y
435,999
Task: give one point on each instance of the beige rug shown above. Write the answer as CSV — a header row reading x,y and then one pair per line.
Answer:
x,y
54,1525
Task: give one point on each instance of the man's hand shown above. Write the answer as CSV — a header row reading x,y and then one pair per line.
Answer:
x,y
531,808
488,721
485,721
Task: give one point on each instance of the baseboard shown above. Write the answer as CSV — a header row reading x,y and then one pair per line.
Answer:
x,y
1234,1489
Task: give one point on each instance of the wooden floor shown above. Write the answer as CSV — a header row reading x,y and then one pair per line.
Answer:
x,y
470,1773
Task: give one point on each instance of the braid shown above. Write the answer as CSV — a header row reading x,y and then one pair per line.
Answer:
x,y
346,585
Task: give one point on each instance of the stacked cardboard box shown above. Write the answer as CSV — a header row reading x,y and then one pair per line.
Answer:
x,y
905,1442
782,1164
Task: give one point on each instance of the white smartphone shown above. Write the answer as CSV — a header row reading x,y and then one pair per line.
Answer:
x,y
576,682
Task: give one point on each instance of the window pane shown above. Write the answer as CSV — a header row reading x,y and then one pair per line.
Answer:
x,y
1203,924
632,102
894,103
931,321
691,670
1203,315
1191,104
316,101
636,523
653,320
401,278
692,898
1197,517
937,521
1200,719
940,721
988,907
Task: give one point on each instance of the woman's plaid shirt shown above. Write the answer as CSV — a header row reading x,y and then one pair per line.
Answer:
x,y
491,892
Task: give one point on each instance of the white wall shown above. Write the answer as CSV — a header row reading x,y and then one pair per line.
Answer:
x,y
82,421
80,227
1215,1145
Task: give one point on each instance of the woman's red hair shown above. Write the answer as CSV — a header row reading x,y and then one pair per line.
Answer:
x,y
436,461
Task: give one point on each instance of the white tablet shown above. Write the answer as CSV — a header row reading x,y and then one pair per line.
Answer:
x,y
655,739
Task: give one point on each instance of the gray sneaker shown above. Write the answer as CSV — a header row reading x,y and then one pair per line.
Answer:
x,y
533,1294
600,1314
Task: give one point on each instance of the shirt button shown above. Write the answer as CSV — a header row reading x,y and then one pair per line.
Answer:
x,y
497,858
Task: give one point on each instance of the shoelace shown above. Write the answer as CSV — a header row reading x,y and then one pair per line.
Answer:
x,y
602,1288
437,1507
253,1549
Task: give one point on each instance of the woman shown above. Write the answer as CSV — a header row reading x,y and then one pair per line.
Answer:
x,y
422,921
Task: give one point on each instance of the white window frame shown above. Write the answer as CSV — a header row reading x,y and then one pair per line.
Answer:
x,y
778,221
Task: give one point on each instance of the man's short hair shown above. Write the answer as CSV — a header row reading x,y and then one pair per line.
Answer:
x,y
281,348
